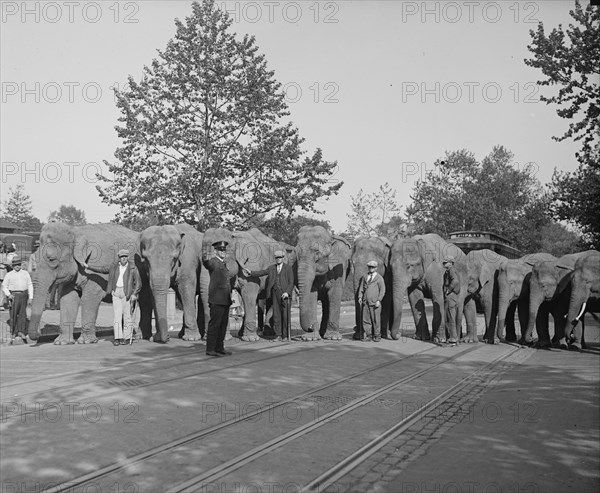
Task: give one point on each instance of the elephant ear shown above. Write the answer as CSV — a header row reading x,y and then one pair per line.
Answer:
x,y
428,256
387,255
182,243
567,262
340,251
486,274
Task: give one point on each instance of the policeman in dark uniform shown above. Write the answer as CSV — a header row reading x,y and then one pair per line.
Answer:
x,y
219,299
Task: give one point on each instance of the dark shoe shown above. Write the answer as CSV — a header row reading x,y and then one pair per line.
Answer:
x,y
224,353
212,353
116,342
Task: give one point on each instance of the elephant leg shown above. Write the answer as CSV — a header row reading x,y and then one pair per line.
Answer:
x,y
249,295
542,321
91,298
69,305
146,303
187,295
311,301
200,317
470,311
332,306
386,319
323,297
511,332
417,305
523,313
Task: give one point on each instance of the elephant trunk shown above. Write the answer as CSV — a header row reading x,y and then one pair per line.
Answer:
x,y
536,298
42,283
503,302
159,284
307,297
399,289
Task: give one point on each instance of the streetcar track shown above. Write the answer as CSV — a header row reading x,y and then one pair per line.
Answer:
x,y
252,455
342,468
160,449
147,374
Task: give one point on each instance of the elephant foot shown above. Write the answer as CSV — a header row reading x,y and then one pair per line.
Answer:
x,y
190,335
510,338
60,340
470,340
17,341
356,336
543,345
333,335
575,346
313,336
158,339
439,340
87,340
250,338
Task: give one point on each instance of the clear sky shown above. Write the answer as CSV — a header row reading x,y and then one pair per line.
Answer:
x,y
384,88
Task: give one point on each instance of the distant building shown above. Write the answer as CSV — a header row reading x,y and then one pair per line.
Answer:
x,y
479,240
6,227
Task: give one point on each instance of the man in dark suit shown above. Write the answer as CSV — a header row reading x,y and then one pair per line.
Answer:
x,y
219,299
279,287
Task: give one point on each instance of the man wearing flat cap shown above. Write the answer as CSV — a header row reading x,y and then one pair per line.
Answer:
x,y
371,290
124,284
279,287
219,299
451,292
18,288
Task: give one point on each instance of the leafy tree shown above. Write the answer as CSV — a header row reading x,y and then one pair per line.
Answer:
x,y
570,59
286,228
139,222
68,214
204,137
17,210
376,213
558,240
494,195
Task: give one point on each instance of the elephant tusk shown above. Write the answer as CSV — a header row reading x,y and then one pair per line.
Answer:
x,y
581,312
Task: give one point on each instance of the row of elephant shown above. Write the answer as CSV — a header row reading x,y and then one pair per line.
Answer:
x,y
535,285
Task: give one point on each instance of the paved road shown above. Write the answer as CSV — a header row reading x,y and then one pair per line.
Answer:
x,y
530,425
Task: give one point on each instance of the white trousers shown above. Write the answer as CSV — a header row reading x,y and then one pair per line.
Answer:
x,y
122,312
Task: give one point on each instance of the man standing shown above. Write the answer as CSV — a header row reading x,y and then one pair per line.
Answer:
x,y
124,283
3,271
219,299
18,288
371,290
279,287
451,292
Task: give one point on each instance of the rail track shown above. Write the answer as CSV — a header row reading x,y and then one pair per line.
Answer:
x,y
280,438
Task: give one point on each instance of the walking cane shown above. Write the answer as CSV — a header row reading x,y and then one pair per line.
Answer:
x,y
288,307
132,311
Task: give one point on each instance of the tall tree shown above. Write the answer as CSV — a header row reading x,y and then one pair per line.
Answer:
x,y
17,209
570,59
286,228
68,214
494,195
376,213
205,137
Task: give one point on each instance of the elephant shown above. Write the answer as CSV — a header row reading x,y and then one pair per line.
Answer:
x,y
376,248
482,285
323,265
253,250
549,293
513,293
417,270
63,249
585,295
171,257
